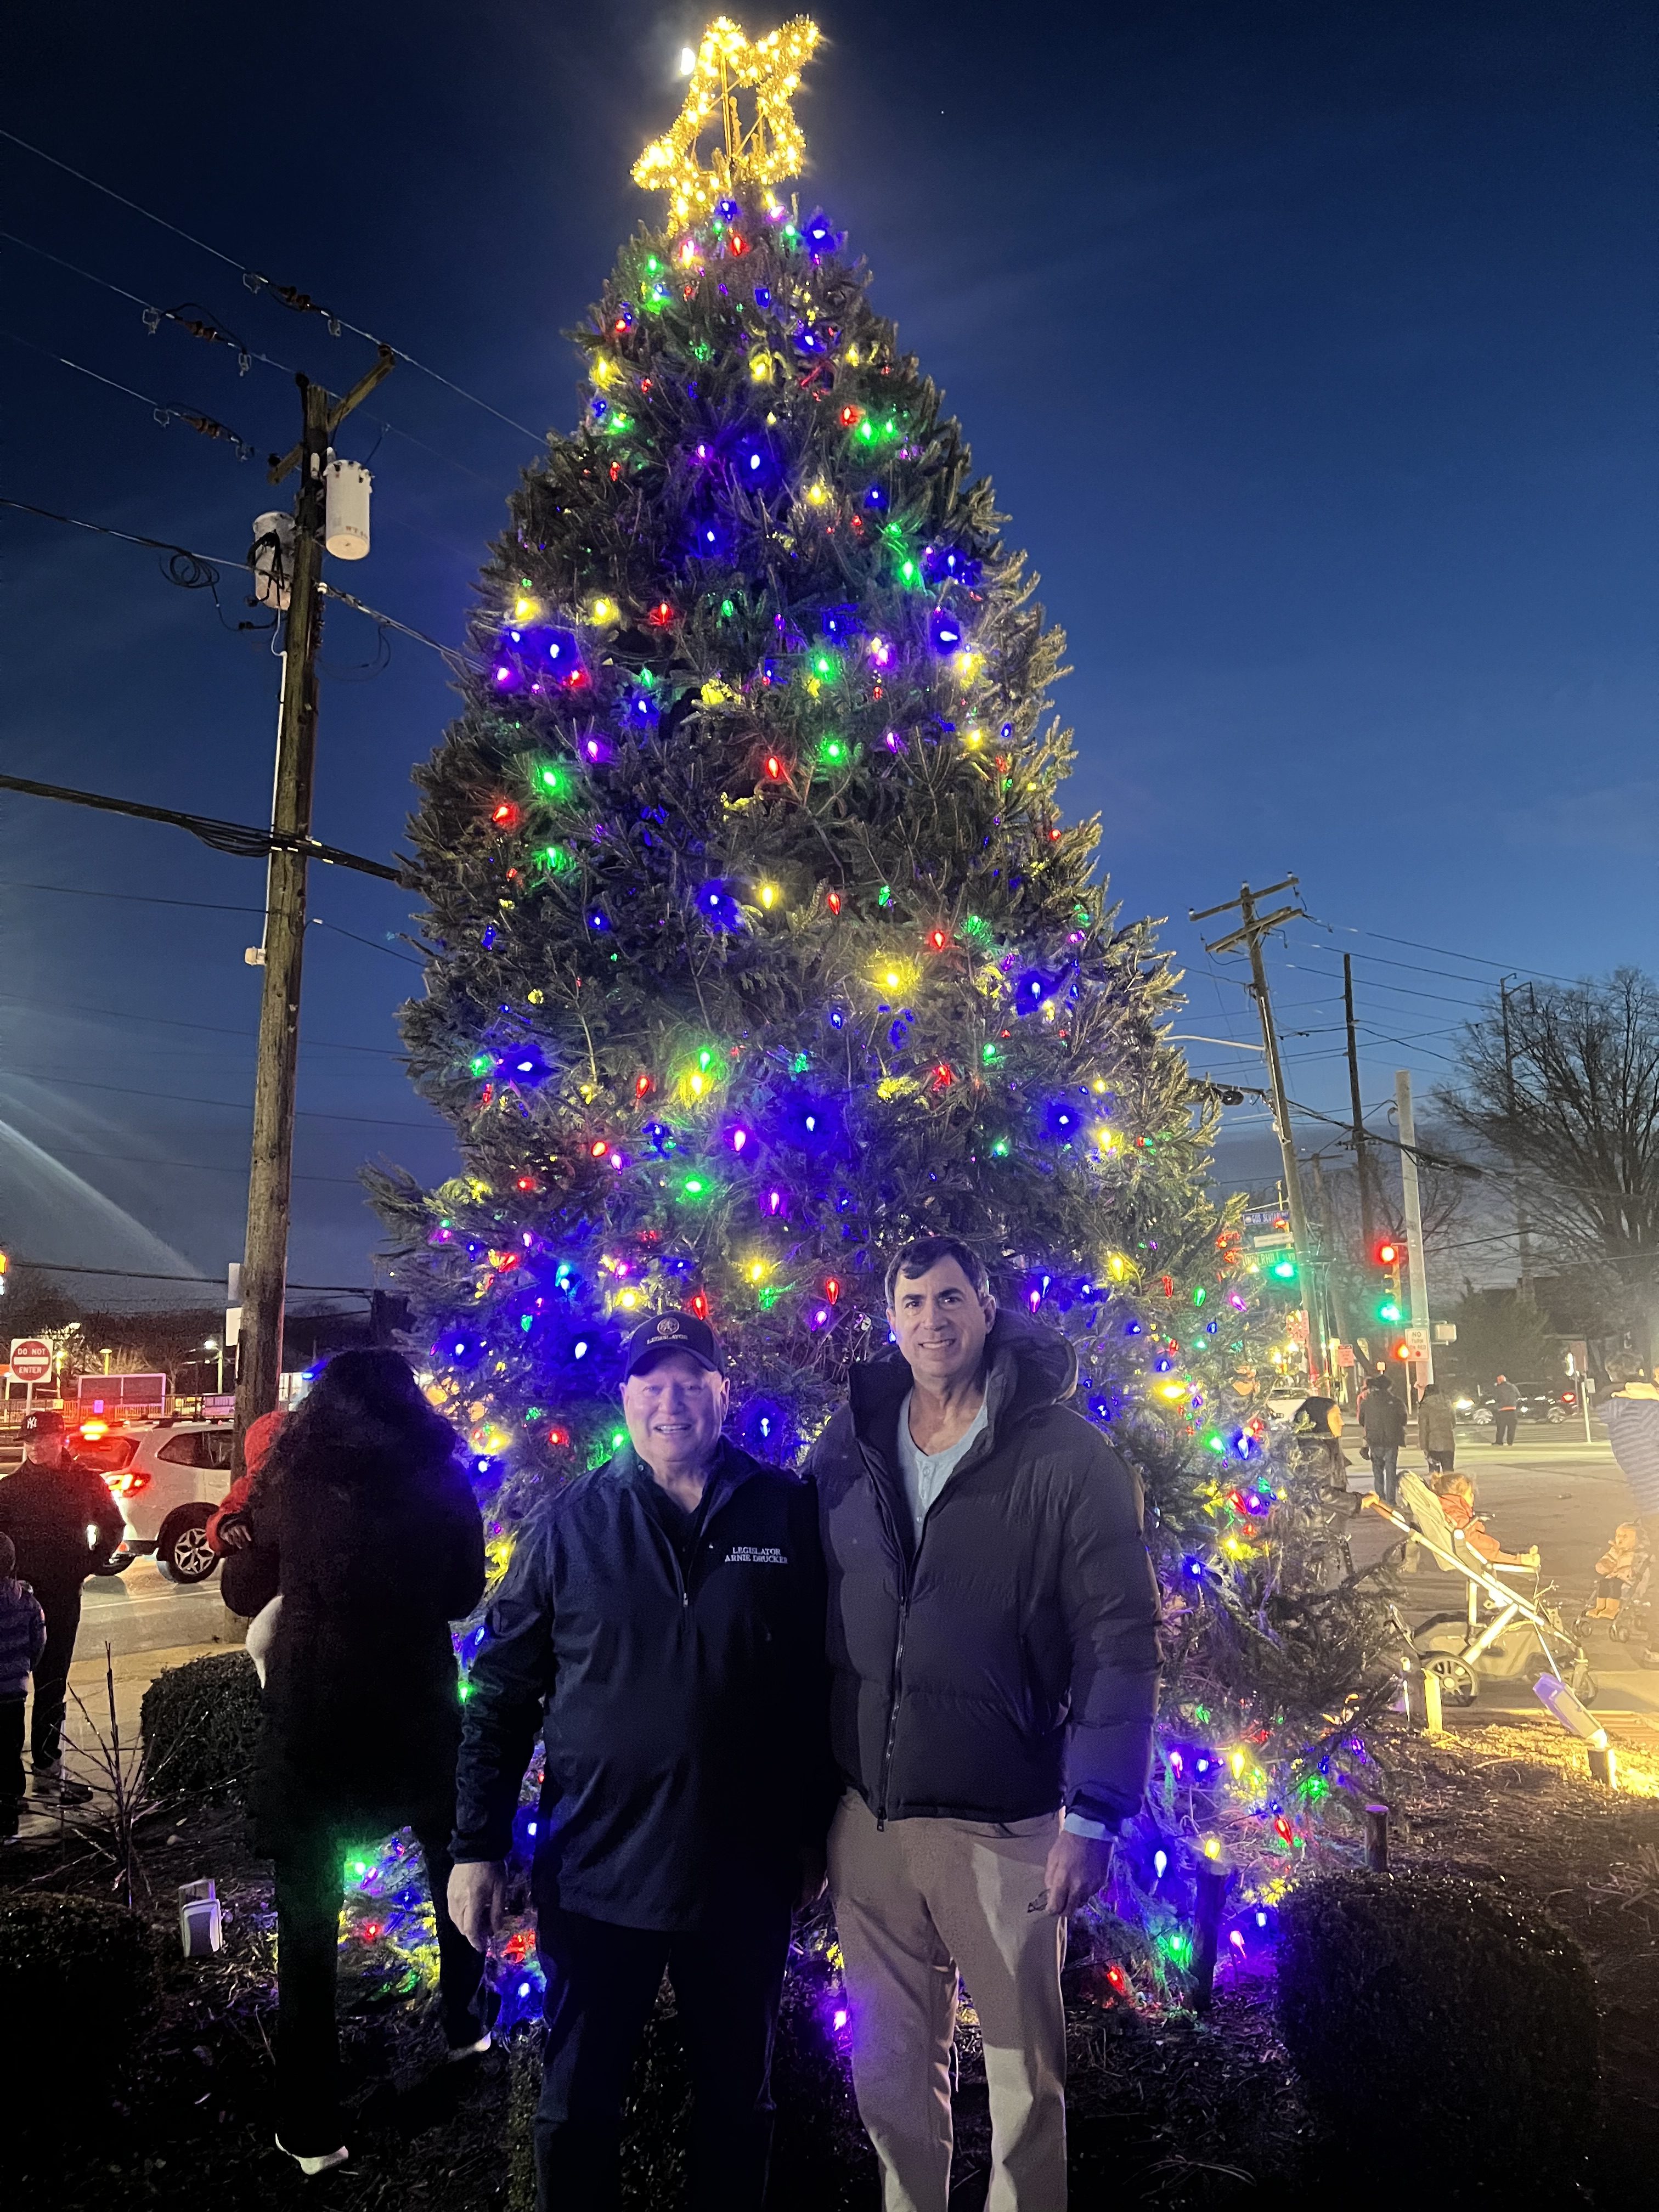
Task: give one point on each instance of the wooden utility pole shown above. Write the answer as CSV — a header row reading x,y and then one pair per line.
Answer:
x,y
1255,927
1362,1157
1523,1225
271,1166
1416,1258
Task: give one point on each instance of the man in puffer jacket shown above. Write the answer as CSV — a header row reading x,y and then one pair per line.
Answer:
x,y
993,1647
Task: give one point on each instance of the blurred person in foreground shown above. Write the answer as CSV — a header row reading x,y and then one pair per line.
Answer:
x,y
370,1531
661,1624
22,1639
64,1526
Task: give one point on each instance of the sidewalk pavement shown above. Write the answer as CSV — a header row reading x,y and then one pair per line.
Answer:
x,y
88,1721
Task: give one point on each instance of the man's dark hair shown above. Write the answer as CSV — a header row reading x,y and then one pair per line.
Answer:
x,y
923,1254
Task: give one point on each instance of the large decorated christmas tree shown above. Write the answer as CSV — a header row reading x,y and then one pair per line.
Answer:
x,y
758,940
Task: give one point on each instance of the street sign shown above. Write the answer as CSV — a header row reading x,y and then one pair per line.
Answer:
x,y
31,1360
1417,1342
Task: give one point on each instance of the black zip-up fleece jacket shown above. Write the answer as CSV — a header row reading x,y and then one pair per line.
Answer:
x,y
1007,1664
682,1702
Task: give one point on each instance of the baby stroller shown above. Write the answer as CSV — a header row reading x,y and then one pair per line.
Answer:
x,y
1621,1606
1504,1626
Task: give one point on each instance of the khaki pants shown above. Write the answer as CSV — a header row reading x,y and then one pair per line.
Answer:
x,y
914,1901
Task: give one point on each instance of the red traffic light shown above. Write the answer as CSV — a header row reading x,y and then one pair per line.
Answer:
x,y
1388,1254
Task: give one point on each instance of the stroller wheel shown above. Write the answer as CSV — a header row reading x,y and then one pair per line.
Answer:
x,y
1457,1681
1583,1684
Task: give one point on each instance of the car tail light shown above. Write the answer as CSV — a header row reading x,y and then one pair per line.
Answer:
x,y
129,1485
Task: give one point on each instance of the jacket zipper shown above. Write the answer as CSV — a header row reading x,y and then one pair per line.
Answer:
x,y
910,1575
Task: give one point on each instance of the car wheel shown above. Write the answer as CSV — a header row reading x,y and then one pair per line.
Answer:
x,y
1481,1417
1556,1414
182,1551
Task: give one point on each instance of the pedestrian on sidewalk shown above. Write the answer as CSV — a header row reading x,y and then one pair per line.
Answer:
x,y
64,1526
248,1578
22,1639
1437,1429
661,1628
1506,1410
379,1546
994,1651
1383,1417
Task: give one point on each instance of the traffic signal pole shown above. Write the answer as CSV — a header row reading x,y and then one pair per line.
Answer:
x,y
1255,927
270,1166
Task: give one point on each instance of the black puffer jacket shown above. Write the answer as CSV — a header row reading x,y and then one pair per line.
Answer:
x,y
362,1719
1009,1663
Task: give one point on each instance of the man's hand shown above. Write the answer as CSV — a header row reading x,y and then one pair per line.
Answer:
x,y
1078,1866
234,1532
477,1895
813,1874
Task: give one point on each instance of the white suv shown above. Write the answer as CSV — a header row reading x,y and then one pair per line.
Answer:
x,y
166,1477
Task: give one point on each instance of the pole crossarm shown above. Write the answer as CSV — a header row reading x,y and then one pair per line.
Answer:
x,y
387,361
239,838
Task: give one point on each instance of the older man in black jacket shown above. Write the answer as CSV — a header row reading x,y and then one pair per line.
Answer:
x,y
661,1622
65,1525
993,1643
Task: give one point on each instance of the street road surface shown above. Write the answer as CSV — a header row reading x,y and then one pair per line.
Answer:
x,y
1566,1497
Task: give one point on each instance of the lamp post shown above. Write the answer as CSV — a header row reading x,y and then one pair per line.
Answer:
x,y
213,1344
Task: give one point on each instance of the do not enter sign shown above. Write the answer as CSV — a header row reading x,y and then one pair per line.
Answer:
x,y
31,1360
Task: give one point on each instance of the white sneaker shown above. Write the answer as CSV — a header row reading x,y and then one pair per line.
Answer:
x,y
310,2168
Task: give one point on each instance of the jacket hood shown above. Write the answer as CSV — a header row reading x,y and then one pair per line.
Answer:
x,y
1027,1364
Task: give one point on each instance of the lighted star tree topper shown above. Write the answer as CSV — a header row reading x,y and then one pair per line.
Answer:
x,y
765,152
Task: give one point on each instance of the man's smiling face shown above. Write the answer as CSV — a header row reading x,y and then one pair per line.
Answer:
x,y
675,1409
941,1323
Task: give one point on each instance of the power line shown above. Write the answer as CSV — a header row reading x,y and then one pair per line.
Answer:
x,y
299,301
196,1167
135,898
142,1275
225,1105
165,411
171,1022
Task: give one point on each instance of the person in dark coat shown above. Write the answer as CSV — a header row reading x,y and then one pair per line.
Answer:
x,y
65,1525
22,1639
379,1545
992,1639
1383,1417
661,1625
1437,1429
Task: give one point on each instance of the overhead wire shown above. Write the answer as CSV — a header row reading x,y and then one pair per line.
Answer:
x,y
165,411
290,297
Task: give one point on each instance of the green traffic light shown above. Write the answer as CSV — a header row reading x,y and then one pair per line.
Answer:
x,y
1387,1311
1284,1270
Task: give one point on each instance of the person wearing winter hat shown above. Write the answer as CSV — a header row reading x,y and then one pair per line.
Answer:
x,y
65,1525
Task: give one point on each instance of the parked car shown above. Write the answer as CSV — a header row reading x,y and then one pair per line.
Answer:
x,y
1537,1403
166,1477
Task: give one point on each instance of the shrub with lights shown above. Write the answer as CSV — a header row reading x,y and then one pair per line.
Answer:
x,y
758,944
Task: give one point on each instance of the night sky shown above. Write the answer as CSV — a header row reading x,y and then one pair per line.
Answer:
x,y
1309,346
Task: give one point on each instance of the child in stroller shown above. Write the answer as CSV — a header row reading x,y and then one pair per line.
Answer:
x,y
1624,1574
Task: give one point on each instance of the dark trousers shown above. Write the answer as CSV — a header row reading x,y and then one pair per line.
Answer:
x,y
1385,1466
11,1751
602,1981
309,1890
63,1610
1503,1425
1442,1462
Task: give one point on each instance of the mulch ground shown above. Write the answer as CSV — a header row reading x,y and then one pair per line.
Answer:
x,y
1167,2108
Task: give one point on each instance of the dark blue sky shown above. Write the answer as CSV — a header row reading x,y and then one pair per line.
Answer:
x,y
1309,346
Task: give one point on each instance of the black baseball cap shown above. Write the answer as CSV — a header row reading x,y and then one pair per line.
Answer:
x,y
47,1423
671,1332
